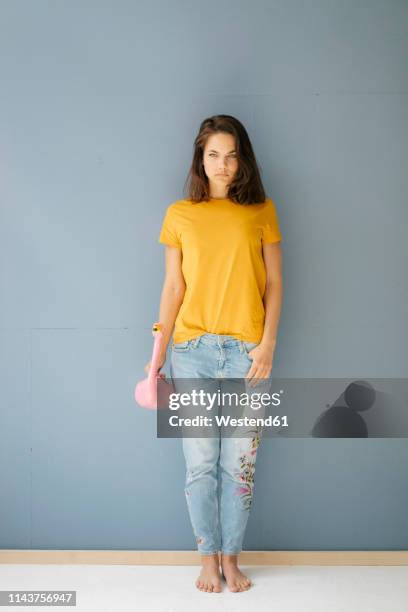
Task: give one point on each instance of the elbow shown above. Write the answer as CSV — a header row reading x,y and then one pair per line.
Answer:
x,y
177,290
273,283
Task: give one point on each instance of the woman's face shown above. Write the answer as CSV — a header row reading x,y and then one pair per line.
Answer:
x,y
220,162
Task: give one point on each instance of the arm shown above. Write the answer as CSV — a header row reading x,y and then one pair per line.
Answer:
x,y
262,354
172,294
272,254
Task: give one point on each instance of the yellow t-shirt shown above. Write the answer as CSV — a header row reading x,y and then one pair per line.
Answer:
x,y
222,264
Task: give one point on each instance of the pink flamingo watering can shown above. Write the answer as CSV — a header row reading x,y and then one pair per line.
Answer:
x,y
146,390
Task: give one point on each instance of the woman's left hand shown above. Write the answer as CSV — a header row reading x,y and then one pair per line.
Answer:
x,y
262,360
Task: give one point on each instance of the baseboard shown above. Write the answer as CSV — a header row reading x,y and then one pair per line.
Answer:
x,y
187,557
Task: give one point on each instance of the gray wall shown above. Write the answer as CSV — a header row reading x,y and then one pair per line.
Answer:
x,y
100,103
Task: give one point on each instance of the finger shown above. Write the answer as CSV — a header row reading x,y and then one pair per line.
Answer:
x,y
258,374
261,374
252,374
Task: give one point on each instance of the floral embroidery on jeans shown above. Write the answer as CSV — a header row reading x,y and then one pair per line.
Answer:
x,y
246,474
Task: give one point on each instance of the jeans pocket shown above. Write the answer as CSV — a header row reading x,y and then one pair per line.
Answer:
x,y
249,346
181,347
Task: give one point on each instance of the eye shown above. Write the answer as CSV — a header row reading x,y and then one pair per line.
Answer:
x,y
214,155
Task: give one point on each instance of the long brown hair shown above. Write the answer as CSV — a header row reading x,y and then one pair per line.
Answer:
x,y
246,187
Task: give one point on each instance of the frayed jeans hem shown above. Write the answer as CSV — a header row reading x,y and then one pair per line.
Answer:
x,y
229,552
215,552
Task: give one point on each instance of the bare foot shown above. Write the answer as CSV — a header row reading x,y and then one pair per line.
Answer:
x,y
235,579
209,579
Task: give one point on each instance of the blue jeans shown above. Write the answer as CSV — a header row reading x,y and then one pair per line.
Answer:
x,y
219,470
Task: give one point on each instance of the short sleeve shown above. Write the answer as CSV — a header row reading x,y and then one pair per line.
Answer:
x,y
170,233
270,225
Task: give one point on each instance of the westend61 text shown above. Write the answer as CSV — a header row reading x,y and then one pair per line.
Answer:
x,y
207,400
227,421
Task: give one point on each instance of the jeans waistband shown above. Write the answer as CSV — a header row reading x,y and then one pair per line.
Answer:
x,y
222,340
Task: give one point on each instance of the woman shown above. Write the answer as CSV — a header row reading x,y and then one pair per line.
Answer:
x,y
223,293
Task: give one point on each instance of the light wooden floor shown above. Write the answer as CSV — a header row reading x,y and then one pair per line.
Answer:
x,y
117,588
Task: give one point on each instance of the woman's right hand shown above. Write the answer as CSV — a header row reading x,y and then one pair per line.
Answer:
x,y
161,362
